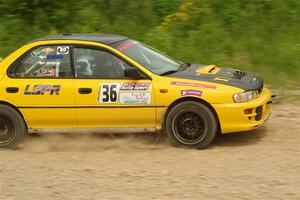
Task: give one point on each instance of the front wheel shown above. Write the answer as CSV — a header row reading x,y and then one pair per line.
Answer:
x,y
191,124
12,127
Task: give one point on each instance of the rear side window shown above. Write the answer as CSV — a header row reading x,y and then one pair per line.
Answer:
x,y
44,62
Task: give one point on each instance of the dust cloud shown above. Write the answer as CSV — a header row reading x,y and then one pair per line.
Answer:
x,y
259,164
85,142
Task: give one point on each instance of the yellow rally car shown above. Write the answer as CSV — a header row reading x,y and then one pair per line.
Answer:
x,y
110,83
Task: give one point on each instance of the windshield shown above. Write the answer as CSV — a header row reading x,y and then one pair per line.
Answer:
x,y
152,59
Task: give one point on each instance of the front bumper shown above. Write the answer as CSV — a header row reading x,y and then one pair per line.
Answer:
x,y
232,116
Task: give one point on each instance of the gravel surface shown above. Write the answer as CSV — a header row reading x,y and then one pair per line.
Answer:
x,y
259,164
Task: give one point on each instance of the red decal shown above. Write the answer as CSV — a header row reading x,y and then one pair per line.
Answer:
x,y
193,84
135,86
126,46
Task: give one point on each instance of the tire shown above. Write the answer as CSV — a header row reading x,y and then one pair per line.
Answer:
x,y
12,127
191,124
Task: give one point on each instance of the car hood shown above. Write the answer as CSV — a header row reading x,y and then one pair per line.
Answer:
x,y
232,77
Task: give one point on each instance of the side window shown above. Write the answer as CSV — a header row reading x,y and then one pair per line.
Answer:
x,y
91,63
46,61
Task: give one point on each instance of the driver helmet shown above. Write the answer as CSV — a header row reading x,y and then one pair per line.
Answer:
x,y
84,65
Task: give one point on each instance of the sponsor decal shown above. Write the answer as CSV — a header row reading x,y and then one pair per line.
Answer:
x,y
135,98
135,86
191,92
42,89
47,50
36,53
111,93
127,45
51,63
63,50
47,72
53,57
193,84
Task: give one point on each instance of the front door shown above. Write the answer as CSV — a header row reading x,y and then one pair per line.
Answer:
x,y
105,98
40,83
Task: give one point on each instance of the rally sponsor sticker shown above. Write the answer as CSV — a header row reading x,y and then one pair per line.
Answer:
x,y
52,63
126,46
63,50
54,57
47,50
135,86
36,53
191,92
193,84
135,98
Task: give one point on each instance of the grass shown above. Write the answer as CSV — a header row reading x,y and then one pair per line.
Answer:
x,y
261,36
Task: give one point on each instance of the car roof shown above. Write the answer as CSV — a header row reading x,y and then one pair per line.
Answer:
x,y
101,38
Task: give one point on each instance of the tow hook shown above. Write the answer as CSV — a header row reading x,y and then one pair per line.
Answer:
x,y
272,99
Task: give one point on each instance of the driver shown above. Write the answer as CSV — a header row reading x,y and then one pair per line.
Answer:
x,y
84,66
100,65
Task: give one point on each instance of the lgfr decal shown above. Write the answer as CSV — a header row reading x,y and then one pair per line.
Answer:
x,y
193,84
135,98
191,92
135,86
42,89
63,50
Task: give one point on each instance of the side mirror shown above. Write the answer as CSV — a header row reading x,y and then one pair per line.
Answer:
x,y
133,73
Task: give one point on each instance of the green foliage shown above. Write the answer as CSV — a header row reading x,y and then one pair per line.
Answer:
x,y
257,35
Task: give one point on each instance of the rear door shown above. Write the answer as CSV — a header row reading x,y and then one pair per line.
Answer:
x,y
40,83
105,97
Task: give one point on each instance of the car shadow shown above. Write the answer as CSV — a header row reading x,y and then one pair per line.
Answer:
x,y
245,138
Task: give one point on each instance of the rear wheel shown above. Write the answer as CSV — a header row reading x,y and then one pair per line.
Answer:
x,y
12,127
191,124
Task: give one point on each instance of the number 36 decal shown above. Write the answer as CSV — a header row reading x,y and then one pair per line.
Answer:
x,y
109,93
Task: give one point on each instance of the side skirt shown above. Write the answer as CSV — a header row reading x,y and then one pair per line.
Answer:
x,y
119,130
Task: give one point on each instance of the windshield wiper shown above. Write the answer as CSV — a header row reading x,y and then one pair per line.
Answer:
x,y
184,66
169,72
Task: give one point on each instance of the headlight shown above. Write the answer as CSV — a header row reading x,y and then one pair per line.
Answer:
x,y
245,96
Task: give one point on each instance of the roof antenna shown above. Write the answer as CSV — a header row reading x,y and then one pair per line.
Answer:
x,y
67,34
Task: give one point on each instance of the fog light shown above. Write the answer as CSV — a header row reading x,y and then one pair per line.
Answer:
x,y
248,111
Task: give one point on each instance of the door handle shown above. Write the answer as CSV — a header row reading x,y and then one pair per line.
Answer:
x,y
12,90
85,90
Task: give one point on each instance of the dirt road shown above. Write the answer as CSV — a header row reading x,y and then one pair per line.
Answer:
x,y
261,164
